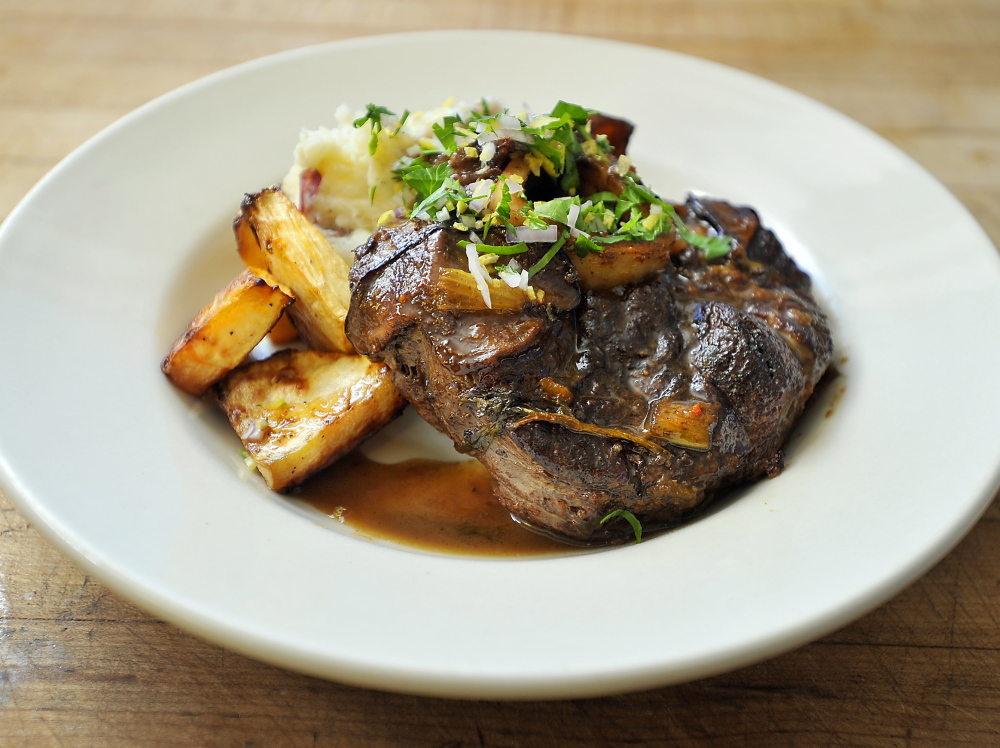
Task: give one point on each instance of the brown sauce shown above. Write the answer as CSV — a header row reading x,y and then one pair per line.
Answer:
x,y
438,506
449,506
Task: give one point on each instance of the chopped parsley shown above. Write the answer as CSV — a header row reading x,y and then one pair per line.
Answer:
x,y
557,211
714,246
631,518
374,114
502,212
402,121
547,257
424,180
445,133
497,249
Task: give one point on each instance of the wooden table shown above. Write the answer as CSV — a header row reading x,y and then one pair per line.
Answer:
x,y
80,666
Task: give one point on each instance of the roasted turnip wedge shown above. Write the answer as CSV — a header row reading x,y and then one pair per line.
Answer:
x,y
298,411
224,332
625,262
271,232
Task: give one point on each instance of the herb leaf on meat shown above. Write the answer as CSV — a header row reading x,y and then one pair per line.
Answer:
x,y
631,518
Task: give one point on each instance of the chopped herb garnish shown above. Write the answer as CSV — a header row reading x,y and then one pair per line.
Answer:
x,y
631,518
547,257
445,132
373,114
449,189
497,249
584,246
604,197
557,211
248,460
371,194
402,121
424,180
573,112
532,220
713,246
502,212
551,145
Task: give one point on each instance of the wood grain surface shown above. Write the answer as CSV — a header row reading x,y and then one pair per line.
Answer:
x,y
81,667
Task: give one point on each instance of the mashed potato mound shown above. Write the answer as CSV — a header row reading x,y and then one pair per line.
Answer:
x,y
344,202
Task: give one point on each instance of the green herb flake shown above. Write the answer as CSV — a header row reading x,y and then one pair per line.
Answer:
x,y
604,197
584,246
712,246
574,112
496,249
248,460
547,257
604,144
445,132
449,189
502,212
630,518
556,210
424,179
373,114
402,121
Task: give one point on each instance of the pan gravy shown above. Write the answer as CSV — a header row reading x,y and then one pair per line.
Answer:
x,y
438,506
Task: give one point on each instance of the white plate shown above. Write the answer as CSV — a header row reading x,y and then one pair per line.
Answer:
x,y
109,256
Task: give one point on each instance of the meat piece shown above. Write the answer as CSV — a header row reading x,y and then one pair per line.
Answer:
x,y
650,396
468,169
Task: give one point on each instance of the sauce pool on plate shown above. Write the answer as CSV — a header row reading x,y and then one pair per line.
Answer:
x,y
437,506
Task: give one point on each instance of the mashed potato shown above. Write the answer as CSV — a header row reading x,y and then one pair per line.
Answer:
x,y
357,187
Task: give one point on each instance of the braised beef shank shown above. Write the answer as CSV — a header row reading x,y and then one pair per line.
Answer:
x,y
650,396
